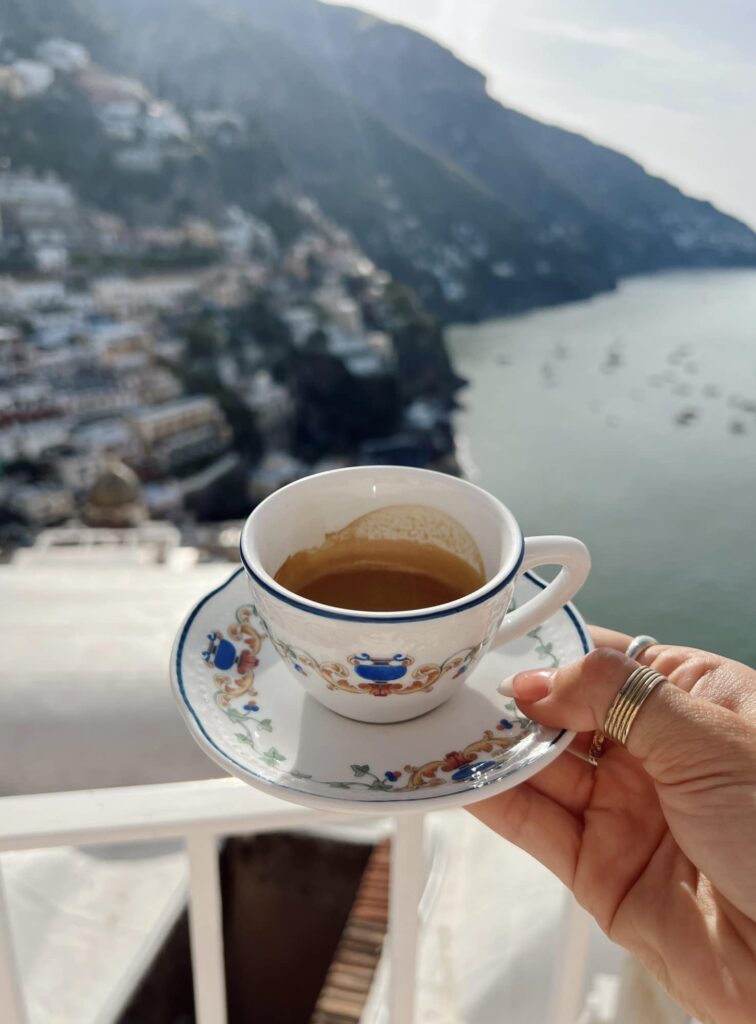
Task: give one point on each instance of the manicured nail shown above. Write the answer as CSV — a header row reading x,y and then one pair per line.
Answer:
x,y
505,687
532,686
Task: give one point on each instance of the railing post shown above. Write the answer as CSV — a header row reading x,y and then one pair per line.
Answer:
x,y
407,881
12,1010
206,929
572,960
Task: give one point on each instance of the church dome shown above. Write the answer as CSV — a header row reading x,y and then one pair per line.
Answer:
x,y
115,499
116,485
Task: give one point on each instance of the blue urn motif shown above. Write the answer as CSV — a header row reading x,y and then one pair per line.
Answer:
x,y
219,653
381,670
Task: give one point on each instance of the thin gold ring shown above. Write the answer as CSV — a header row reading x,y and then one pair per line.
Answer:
x,y
631,697
623,708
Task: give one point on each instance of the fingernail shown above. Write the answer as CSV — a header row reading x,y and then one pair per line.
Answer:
x,y
505,687
532,686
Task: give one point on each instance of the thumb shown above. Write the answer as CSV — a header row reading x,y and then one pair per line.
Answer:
x,y
674,733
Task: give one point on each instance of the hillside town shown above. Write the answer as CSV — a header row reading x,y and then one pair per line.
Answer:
x,y
210,359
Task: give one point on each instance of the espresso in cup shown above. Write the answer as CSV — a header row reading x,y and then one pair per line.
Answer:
x,y
396,558
381,588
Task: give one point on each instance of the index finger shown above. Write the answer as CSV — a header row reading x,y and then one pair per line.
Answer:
x,y
664,658
603,637
682,666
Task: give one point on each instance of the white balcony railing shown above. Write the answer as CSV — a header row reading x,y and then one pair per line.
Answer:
x,y
201,813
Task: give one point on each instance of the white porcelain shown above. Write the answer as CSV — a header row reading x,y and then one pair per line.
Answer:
x,y
251,717
393,666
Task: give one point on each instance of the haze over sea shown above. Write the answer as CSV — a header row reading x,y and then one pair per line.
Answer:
x,y
629,420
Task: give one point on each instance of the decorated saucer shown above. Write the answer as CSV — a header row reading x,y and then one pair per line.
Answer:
x,y
252,717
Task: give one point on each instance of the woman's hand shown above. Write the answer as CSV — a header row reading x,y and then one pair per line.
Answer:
x,y
658,842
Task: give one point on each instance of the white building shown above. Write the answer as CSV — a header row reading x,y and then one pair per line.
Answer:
x,y
145,159
78,471
11,341
50,255
102,87
154,384
170,349
34,76
44,209
271,404
301,321
118,338
382,343
121,118
237,233
109,435
339,307
50,362
23,296
126,296
22,189
376,347
39,504
55,329
10,83
180,432
30,440
163,123
63,54
29,399
220,125
365,364
504,269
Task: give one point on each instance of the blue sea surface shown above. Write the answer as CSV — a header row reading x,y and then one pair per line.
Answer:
x,y
629,420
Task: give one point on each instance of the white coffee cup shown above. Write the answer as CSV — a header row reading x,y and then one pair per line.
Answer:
x,y
391,666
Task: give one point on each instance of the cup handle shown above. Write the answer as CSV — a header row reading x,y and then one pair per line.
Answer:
x,y
575,560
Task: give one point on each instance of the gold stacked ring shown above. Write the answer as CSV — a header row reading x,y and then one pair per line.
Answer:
x,y
630,699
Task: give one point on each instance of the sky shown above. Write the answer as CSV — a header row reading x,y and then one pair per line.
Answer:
x,y
672,83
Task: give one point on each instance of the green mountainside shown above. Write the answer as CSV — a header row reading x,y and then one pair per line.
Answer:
x,y
562,184
479,208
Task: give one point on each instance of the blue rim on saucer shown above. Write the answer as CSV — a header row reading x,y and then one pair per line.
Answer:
x,y
251,716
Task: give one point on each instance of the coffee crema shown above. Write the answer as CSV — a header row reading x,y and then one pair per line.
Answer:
x,y
398,558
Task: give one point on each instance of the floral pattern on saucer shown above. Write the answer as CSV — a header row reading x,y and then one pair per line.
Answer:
x,y
459,766
252,716
239,656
